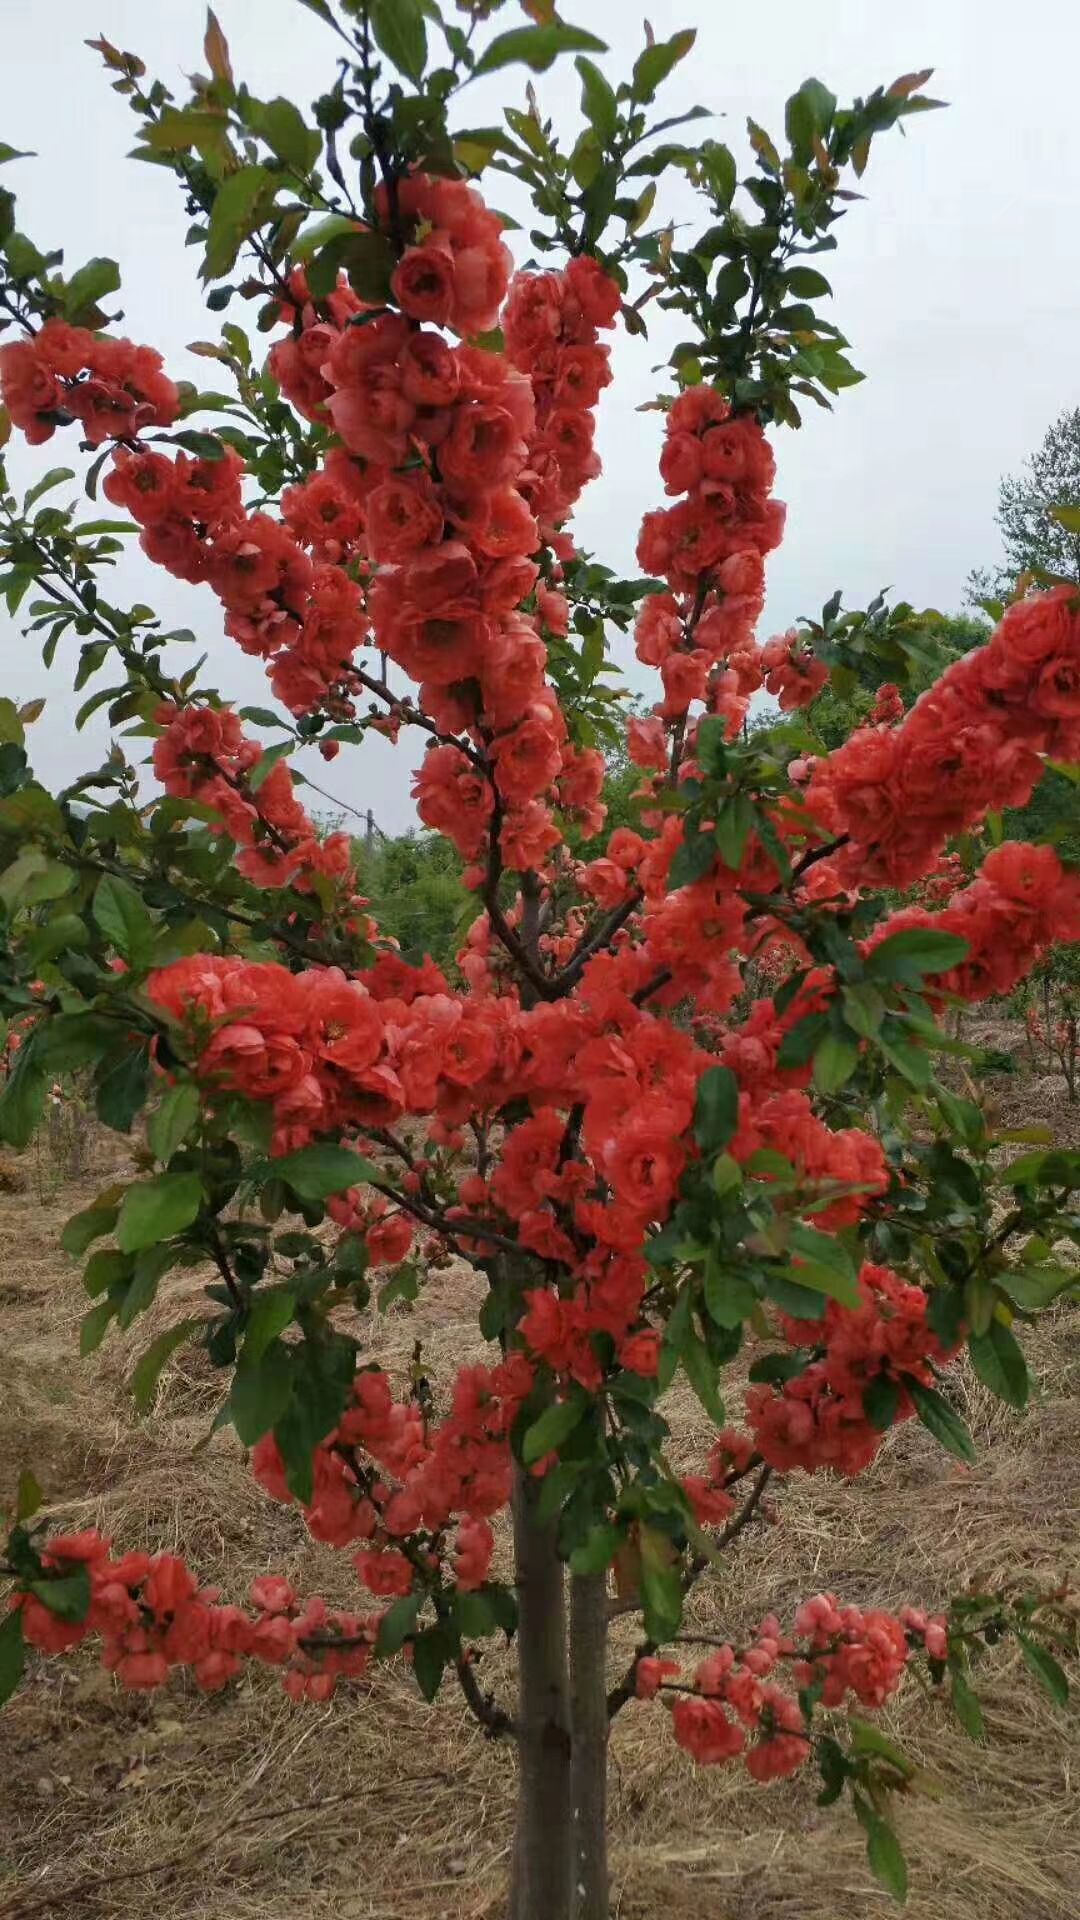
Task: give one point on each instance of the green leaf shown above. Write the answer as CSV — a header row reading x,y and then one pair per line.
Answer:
x,y
868,1738
966,1706
94,1325
808,117
22,1097
716,1109
429,1661
555,1425
403,1284
598,102
661,1585
398,27
323,1372
806,282
15,879
28,1497
939,1419
12,1655
54,478
598,1549
730,1297
261,1391
764,147
271,1312
999,1362
68,1596
693,859
800,1302
536,47
835,1060
909,1059
718,164
238,207
266,763
474,1615
824,1265
205,446
1032,1288
314,1173
178,130
652,67
800,1042
397,1624
282,127
336,226
150,1264
123,919
702,1372
148,1370
173,1120
1067,517
106,1269
84,1228
733,824
881,1400
122,1087
89,285
12,153
154,1210
905,957
1046,1670
883,1851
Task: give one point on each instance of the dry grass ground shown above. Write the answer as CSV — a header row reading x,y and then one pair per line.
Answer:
x,y
243,1807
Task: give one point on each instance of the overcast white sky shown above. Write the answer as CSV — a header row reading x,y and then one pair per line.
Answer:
x,y
957,283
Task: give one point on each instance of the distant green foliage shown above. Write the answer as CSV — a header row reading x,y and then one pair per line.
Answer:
x,y
1033,538
416,892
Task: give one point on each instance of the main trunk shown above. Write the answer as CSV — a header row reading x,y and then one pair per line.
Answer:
x,y
589,1728
543,1851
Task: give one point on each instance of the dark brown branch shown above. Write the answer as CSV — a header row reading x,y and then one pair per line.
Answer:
x,y
815,854
594,942
652,986
496,1722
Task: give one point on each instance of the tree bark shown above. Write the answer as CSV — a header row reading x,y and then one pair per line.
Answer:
x,y
589,1727
541,1887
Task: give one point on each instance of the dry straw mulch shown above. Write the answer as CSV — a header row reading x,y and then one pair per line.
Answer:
x,y
243,1807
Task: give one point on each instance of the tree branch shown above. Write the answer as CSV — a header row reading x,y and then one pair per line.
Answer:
x,y
496,1722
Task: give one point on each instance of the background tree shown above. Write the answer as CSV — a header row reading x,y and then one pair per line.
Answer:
x,y
1038,515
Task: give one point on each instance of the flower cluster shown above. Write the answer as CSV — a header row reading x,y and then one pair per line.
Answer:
x,y
152,1616
305,618
455,266
976,739
733,1706
818,1418
710,548
1022,901
414,1495
793,673
113,388
550,327
203,754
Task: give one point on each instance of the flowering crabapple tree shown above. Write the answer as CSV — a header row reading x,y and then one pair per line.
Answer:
x,y
681,1094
